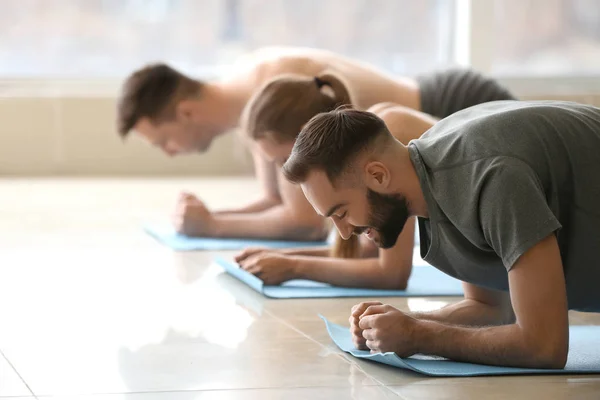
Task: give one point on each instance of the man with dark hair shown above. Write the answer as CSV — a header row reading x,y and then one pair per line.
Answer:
x,y
507,197
180,115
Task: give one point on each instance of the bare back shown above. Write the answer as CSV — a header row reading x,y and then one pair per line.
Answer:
x,y
367,84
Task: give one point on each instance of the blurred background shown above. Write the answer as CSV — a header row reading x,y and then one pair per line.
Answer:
x,y
62,61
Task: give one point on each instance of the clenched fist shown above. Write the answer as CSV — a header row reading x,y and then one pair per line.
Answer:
x,y
192,218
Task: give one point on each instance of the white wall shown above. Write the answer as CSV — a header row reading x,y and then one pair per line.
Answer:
x,y
73,134
54,134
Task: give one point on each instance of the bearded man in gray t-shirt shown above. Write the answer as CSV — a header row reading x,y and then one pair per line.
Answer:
x,y
507,198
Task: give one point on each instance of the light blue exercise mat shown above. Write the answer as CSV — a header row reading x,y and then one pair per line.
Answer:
x,y
584,356
169,237
424,281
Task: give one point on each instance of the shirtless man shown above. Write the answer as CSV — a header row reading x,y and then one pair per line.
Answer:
x,y
181,115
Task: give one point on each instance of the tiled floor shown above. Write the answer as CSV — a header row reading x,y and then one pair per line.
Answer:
x,y
91,308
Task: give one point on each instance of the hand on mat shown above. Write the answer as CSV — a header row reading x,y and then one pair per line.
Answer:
x,y
386,329
357,336
272,268
250,251
192,218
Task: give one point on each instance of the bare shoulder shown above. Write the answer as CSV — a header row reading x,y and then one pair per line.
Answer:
x,y
251,70
404,123
385,109
288,63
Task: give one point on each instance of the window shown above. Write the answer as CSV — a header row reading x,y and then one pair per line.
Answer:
x,y
109,38
546,37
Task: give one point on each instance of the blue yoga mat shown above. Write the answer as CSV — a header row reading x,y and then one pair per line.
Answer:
x,y
424,281
176,241
584,356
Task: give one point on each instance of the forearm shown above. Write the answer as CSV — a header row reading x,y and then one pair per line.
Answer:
x,y
506,345
366,273
538,337
254,207
468,313
309,251
274,223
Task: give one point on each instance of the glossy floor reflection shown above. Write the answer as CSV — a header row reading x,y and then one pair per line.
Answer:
x,y
92,308
10,383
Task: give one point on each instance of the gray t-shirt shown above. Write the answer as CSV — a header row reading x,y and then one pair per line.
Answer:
x,y
501,176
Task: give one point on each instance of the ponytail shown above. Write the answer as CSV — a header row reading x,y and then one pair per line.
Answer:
x,y
346,248
285,103
340,90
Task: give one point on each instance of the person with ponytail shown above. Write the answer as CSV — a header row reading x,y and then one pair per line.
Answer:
x,y
272,119
182,115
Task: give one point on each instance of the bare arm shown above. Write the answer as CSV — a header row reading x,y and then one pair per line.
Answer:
x,y
481,307
293,219
390,270
261,204
307,252
539,337
367,250
266,174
